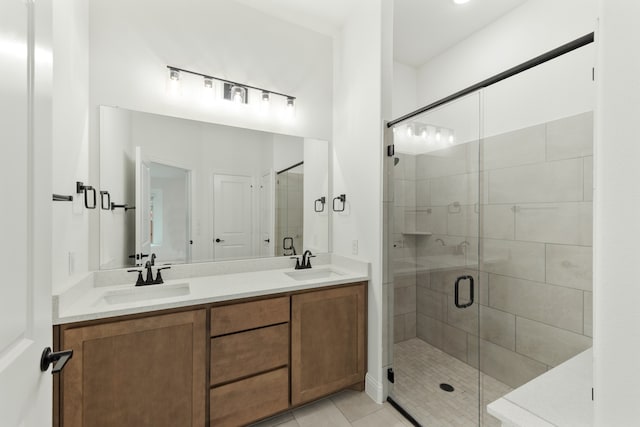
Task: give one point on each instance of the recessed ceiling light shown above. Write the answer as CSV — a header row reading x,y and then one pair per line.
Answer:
x,y
460,1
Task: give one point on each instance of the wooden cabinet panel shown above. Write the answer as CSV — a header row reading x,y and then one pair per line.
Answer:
x,y
249,315
143,372
327,341
242,402
247,353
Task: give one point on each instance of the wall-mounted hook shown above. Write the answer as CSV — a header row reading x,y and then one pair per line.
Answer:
x,y
103,206
126,207
61,198
81,188
342,198
322,200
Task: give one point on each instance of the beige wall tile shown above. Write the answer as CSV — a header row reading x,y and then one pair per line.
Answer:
x,y
459,159
404,300
404,280
457,188
563,223
409,188
498,222
553,305
398,328
507,366
398,219
559,181
512,258
447,338
410,325
464,222
398,193
463,318
570,266
570,137
588,178
433,220
547,344
432,304
588,314
521,147
498,327
423,193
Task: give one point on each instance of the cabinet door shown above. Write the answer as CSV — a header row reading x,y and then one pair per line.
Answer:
x,y
142,372
327,341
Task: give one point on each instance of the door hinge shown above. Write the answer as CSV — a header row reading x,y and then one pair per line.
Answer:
x,y
391,150
391,376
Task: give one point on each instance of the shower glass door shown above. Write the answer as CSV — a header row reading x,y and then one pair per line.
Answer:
x,y
496,187
437,288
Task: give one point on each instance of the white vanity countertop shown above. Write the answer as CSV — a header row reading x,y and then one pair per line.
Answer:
x,y
85,300
560,397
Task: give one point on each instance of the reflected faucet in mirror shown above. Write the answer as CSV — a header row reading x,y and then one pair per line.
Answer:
x,y
287,245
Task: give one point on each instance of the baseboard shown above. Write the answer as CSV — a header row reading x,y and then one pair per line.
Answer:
x,y
374,389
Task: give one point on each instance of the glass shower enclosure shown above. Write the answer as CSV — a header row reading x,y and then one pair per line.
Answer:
x,y
489,235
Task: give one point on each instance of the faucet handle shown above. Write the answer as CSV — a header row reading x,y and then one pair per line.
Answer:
x,y
159,276
140,281
297,258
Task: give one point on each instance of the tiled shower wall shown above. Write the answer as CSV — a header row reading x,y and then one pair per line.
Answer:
x,y
534,287
289,210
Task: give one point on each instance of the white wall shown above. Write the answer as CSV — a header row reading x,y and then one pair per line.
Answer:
x,y
617,209
357,141
529,30
70,156
405,89
316,185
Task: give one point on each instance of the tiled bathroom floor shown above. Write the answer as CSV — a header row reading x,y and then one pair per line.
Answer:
x,y
344,409
420,369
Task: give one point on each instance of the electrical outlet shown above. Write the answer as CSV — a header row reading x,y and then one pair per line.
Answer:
x,y
354,247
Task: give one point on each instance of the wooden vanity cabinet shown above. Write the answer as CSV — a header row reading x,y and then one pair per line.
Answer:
x,y
328,333
218,365
149,371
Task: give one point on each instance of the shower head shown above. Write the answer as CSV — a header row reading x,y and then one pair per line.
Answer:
x,y
396,160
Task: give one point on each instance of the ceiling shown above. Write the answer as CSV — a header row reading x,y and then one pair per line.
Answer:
x,y
422,28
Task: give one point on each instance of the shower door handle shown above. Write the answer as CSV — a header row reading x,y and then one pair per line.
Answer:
x,y
457,292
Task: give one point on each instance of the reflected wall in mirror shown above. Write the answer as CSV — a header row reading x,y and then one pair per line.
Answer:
x,y
199,191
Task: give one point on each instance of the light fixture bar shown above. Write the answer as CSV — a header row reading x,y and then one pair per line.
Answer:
x,y
195,73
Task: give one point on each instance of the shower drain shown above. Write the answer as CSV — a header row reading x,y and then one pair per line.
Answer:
x,y
447,387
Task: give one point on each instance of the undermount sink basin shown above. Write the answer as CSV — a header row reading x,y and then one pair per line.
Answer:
x,y
143,293
314,273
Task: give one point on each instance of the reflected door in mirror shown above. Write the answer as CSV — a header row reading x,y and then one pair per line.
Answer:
x,y
232,227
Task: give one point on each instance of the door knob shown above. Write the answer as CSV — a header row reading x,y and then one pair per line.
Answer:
x,y
219,240
267,240
58,358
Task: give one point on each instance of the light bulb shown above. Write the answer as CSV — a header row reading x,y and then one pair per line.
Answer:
x,y
451,138
438,135
208,83
424,133
174,74
265,97
460,1
409,130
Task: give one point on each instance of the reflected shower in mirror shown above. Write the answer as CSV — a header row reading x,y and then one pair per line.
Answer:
x,y
206,192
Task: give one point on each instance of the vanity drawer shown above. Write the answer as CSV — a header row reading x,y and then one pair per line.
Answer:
x,y
248,353
249,400
249,315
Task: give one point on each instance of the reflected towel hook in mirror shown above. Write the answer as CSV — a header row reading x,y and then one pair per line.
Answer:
x,y
322,200
126,207
61,198
81,188
342,198
103,206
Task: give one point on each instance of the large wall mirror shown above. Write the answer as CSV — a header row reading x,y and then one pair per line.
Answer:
x,y
183,191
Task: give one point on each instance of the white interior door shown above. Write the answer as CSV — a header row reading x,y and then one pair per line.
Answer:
x,y
143,207
25,220
267,238
232,207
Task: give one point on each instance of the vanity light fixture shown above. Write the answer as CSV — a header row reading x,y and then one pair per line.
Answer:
x,y
174,74
233,91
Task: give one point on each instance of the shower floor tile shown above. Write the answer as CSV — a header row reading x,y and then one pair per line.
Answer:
x,y
420,368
